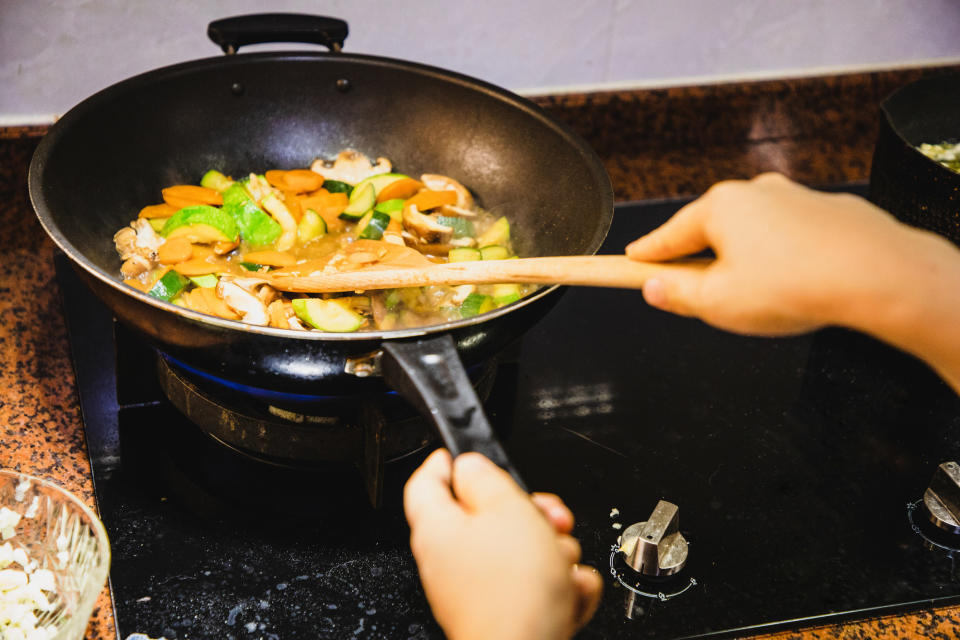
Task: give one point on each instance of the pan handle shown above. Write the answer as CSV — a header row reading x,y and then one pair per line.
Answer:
x,y
257,28
429,374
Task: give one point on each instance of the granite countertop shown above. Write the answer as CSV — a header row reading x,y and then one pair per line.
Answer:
x,y
654,144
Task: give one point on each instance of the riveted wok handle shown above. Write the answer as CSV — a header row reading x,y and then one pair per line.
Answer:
x,y
430,376
233,33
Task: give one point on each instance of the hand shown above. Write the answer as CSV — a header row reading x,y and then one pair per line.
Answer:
x,y
789,259
495,563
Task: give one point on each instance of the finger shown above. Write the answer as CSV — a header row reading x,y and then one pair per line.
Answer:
x,y
554,510
479,483
589,587
678,289
427,493
679,236
569,548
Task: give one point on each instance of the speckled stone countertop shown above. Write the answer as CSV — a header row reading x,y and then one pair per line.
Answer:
x,y
654,143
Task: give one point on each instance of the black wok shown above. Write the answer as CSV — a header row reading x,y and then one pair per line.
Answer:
x,y
111,155
908,184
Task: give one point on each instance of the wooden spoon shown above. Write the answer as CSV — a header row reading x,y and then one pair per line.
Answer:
x,y
369,264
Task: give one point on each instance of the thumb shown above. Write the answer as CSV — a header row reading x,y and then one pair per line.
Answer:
x,y
478,483
677,290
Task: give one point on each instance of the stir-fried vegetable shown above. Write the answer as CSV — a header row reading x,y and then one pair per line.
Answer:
x,y
207,247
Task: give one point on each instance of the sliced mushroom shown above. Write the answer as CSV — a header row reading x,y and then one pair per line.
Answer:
x,y
437,182
351,167
250,308
460,212
282,316
465,241
259,188
135,265
461,292
428,229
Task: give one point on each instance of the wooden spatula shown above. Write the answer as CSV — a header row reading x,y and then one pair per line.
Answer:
x,y
370,264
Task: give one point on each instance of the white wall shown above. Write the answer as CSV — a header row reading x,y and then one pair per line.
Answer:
x,y
53,53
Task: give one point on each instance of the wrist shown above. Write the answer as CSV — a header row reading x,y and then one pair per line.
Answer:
x,y
913,302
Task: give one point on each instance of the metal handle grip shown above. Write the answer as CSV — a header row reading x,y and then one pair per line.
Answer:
x,y
258,28
430,376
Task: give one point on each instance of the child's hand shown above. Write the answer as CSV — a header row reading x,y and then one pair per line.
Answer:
x,y
494,563
789,259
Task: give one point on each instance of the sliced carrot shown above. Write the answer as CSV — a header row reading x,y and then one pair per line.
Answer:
x,y
271,258
403,188
276,178
157,211
303,180
292,200
215,305
174,251
195,300
427,199
222,248
201,251
136,284
198,267
186,195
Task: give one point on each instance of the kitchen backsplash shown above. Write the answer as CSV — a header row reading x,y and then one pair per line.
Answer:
x,y
54,53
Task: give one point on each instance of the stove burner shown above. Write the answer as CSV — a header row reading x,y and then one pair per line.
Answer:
x,y
296,430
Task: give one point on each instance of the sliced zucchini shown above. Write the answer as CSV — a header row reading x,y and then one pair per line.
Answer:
x,y
335,186
361,200
379,181
375,226
256,226
504,294
327,315
464,254
462,228
169,286
206,282
251,266
389,206
157,223
201,223
311,226
215,180
494,252
498,233
475,304
392,300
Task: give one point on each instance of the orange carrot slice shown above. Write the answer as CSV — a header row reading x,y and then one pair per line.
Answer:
x,y
427,199
215,305
174,251
271,258
186,195
157,211
198,267
276,178
222,248
403,188
136,284
302,180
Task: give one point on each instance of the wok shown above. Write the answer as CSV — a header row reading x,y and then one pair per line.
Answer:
x,y
908,184
111,154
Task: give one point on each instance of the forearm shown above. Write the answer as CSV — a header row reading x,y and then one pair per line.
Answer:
x,y
915,304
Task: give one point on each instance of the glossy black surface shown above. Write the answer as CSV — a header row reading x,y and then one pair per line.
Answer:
x,y
792,460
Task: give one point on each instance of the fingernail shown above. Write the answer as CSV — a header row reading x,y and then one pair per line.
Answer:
x,y
472,461
655,293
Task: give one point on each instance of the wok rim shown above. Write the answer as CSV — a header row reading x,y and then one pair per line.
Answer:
x,y
104,96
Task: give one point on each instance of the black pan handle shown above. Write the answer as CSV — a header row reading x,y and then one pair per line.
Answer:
x,y
258,28
431,377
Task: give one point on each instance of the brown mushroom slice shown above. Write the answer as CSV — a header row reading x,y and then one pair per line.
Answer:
x,y
351,167
438,182
427,228
250,308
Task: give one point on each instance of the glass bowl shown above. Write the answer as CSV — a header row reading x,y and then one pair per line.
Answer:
x,y
55,532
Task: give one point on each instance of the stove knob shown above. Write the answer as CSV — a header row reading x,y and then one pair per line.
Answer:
x,y
656,547
942,497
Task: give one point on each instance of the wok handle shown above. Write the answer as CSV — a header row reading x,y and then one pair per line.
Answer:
x,y
257,28
429,374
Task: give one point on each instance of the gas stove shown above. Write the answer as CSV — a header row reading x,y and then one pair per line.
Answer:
x,y
771,483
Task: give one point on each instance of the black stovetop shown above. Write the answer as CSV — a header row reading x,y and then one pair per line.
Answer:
x,y
792,461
